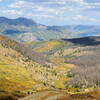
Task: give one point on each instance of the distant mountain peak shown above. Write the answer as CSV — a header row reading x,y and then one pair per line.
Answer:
x,y
3,18
18,21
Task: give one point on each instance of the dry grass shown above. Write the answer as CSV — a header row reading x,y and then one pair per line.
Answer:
x,y
14,78
48,46
13,75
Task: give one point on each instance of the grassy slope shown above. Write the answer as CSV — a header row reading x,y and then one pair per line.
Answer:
x,y
63,55
15,77
54,75
13,74
58,59
46,46
60,68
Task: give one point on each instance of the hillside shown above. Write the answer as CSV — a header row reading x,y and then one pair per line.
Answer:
x,y
15,80
22,74
15,67
81,52
9,43
27,30
83,82
62,70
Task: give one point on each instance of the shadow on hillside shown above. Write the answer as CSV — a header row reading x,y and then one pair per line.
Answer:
x,y
86,41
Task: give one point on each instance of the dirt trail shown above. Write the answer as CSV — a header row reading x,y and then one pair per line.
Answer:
x,y
53,95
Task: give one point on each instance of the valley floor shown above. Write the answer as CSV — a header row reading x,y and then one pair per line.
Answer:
x,y
54,95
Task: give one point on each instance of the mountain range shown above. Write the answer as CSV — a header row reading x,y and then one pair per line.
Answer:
x,y
24,29
39,62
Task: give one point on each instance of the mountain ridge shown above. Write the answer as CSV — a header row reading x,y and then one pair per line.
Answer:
x,y
23,29
17,21
89,40
10,43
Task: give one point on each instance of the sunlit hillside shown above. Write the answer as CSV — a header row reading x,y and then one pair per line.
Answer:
x,y
49,49
21,75
60,68
14,78
80,52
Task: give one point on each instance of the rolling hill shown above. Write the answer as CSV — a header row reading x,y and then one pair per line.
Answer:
x,y
16,66
26,30
9,43
81,52
55,69
23,71
83,82
15,80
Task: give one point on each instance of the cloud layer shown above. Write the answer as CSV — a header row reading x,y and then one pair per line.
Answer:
x,y
59,12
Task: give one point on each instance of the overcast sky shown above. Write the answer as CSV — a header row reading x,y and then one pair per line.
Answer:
x,y
53,12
